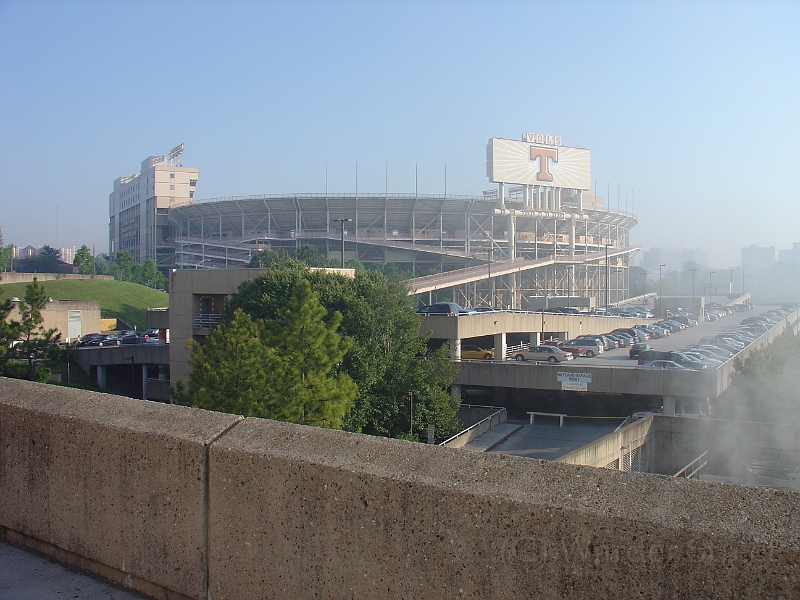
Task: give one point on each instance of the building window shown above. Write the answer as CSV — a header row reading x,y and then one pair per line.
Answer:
x,y
172,175
191,194
193,182
172,187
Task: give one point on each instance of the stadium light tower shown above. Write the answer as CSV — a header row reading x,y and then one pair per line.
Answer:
x,y
342,221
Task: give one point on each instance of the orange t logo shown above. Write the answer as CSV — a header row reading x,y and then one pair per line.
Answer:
x,y
543,154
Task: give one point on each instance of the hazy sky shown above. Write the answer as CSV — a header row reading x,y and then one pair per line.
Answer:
x,y
693,107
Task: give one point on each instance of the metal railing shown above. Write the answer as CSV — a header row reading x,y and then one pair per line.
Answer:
x,y
207,321
694,467
462,438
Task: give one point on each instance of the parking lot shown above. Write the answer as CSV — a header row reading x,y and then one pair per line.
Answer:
x,y
681,339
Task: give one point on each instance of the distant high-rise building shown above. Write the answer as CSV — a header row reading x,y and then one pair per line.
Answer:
x,y
757,257
790,255
669,257
67,254
695,255
139,205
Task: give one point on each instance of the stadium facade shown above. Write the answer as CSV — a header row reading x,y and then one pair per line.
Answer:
x,y
542,219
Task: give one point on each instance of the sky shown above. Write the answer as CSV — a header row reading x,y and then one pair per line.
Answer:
x,y
691,108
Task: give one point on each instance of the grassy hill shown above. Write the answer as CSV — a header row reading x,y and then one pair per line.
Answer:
x,y
127,301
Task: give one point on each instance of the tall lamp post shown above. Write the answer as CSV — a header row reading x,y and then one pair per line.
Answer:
x,y
743,268
693,271
710,273
660,293
608,276
675,291
342,221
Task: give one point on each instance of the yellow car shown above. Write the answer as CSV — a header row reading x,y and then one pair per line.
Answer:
x,y
472,351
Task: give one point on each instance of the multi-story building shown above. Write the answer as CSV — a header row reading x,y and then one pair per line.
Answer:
x,y
139,205
695,255
670,258
790,255
756,257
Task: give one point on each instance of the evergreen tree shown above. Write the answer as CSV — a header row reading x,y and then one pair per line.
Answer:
x,y
230,370
389,356
285,368
83,260
36,341
9,332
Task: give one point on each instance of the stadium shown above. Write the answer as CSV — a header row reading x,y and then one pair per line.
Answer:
x,y
540,234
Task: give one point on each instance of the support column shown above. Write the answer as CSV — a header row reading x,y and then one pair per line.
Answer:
x,y
501,192
512,225
669,406
101,377
500,346
455,349
572,239
144,381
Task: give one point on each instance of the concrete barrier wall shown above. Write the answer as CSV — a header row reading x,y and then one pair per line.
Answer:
x,y
161,495
611,447
28,277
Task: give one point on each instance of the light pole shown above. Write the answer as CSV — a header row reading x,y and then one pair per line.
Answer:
x,y
731,291
743,268
343,221
675,291
660,292
608,277
710,273
693,271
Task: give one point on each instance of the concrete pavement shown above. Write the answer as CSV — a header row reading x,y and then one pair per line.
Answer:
x,y
25,575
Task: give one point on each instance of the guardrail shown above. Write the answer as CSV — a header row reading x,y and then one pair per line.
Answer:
x,y
693,468
462,438
208,321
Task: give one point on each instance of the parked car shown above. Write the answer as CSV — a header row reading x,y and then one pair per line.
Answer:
x,y
637,349
593,347
447,309
540,353
473,351
91,339
663,364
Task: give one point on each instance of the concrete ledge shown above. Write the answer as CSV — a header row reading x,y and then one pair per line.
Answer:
x,y
120,482
304,513
209,506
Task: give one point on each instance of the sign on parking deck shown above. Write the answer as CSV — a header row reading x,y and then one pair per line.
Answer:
x,y
574,382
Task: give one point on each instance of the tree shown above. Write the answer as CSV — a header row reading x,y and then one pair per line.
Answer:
x,y
48,260
102,265
6,252
267,257
36,340
309,255
763,386
389,356
285,368
123,266
83,260
9,332
230,370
